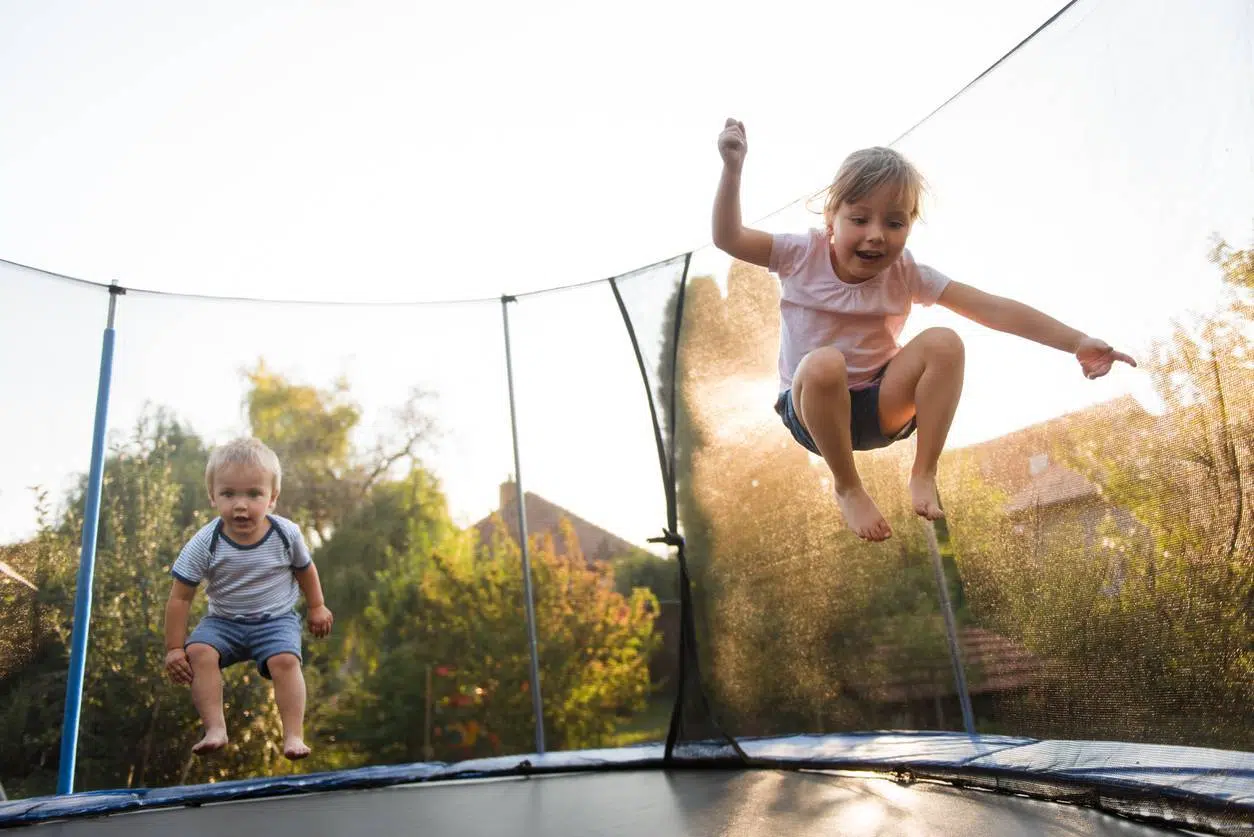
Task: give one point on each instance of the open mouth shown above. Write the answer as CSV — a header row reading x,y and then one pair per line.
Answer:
x,y
868,255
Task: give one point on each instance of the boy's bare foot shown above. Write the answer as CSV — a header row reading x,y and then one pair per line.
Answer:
x,y
862,515
215,739
295,749
924,498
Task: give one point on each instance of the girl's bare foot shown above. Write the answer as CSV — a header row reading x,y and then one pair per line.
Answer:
x,y
215,739
924,498
295,749
862,515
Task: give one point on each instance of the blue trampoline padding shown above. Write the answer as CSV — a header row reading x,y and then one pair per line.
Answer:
x,y
1221,777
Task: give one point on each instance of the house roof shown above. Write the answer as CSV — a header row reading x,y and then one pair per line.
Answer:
x,y
545,516
1053,486
1006,461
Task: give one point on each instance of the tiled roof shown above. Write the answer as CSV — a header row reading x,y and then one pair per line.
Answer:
x,y
544,516
992,663
1051,487
1005,461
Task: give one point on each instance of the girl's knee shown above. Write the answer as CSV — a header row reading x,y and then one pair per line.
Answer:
x,y
944,342
822,367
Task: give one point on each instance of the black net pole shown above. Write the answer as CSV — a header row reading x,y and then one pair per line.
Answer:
x,y
537,704
670,534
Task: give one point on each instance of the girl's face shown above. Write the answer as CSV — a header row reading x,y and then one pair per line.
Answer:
x,y
867,235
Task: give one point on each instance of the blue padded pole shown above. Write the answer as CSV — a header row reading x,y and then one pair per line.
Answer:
x,y
87,561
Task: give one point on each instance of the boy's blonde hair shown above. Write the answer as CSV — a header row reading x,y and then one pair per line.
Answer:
x,y
245,451
866,170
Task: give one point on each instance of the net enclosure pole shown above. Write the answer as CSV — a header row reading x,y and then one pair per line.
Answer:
x,y
537,705
951,630
87,559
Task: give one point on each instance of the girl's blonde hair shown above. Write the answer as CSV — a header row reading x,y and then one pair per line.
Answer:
x,y
246,451
866,170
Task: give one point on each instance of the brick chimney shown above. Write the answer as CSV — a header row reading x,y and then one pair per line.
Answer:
x,y
509,496
509,506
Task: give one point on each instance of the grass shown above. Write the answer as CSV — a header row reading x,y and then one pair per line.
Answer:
x,y
647,726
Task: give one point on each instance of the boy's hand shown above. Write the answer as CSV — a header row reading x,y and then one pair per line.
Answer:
x,y
732,144
1096,357
178,666
320,620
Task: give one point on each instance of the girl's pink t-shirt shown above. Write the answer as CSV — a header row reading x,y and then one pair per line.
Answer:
x,y
864,320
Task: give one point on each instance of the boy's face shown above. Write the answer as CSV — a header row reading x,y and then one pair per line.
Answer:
x,y
867,235
243,496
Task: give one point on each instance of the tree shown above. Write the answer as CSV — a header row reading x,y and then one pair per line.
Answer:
x,y
33,662
309,429
1189,572
395,519
324,477
644,569
1145,632
447,631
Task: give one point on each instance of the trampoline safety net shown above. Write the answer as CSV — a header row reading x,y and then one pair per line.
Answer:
x,y
1079,626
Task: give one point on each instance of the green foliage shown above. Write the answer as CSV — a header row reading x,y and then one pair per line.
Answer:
x,y
32,664
1139,604
643,569
325,477
309,429
395,520
412,595
446,654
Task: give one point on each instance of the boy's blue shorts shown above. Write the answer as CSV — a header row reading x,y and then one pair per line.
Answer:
x,y
864,420
237,640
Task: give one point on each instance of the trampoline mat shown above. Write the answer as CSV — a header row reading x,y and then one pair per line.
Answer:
x,y
657,803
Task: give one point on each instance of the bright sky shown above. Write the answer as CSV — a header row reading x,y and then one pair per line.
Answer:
x,y
395,151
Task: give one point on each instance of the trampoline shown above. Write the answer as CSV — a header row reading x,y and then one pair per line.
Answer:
x,y
841,785
1067,653
672,803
